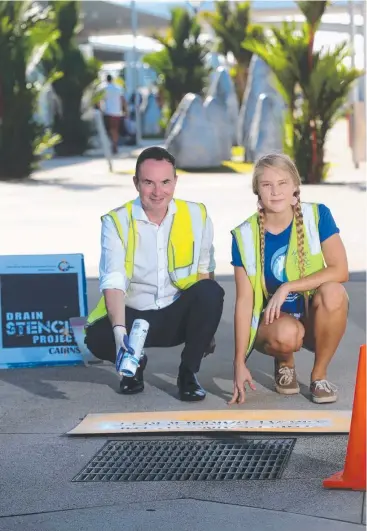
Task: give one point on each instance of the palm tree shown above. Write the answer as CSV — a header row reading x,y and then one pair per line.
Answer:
x,y
325,95
232,26
181,62
313,12
79,76
320,79
26,30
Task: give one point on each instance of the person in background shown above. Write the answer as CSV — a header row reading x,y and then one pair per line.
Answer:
x,y
114,109
157,264
289,263
130,121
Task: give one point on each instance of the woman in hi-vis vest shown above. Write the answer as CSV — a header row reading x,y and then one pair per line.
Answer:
x,y
289,264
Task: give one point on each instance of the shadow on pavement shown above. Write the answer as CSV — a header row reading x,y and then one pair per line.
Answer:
x,y
39,380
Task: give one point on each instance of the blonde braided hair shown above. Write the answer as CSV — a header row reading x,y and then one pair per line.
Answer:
x,y
285,163
261,222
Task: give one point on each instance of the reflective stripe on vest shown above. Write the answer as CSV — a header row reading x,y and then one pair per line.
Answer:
x,y
183,251
247,236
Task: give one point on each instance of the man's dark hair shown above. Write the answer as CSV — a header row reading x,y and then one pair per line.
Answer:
x,y
154,153
109,78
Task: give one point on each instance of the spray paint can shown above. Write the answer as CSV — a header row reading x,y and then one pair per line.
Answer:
x,y
137,337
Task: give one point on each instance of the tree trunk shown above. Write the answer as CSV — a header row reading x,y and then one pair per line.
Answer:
x,y
314,156
241,81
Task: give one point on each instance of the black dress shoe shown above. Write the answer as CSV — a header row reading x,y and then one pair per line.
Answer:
x,y
188,386
135,384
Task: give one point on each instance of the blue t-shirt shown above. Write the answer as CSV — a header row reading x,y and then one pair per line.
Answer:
x,y
276,246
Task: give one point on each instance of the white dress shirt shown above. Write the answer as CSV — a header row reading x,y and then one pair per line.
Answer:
x,y
150,287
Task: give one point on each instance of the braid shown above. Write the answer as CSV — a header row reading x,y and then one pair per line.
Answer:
x,y
300,237
300,244
262,246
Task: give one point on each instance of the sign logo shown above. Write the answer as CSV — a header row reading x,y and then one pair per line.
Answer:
x,y
64,266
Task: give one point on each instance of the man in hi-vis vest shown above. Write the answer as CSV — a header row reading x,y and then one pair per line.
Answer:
x,y
157,264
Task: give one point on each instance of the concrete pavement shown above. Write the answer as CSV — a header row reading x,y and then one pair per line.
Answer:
x,y
58,212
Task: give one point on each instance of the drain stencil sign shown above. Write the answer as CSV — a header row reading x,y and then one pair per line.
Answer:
x,y
230,420
215,425
188,460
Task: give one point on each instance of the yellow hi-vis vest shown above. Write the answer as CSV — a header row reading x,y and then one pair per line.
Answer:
x,y
183,246
247,236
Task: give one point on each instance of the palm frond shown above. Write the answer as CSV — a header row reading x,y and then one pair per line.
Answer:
x,y
313,11
180,64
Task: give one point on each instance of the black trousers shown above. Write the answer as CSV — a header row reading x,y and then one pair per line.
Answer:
x,y
192,319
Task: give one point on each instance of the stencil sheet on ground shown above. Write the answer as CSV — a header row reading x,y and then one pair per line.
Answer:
x,y
290,421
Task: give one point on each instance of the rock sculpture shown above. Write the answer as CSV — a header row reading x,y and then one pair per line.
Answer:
x,y
218,118
191,137
223,89
181,109
266,135
271,107
151,115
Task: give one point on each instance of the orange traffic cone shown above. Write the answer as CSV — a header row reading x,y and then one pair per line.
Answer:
x,y
354,474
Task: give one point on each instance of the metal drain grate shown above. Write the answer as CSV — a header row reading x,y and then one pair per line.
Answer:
x,y
188,460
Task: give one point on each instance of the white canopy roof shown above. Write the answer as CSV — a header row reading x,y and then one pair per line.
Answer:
x,y
113,18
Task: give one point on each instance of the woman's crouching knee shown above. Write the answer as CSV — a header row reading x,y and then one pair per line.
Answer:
x,y
332,296
287,336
